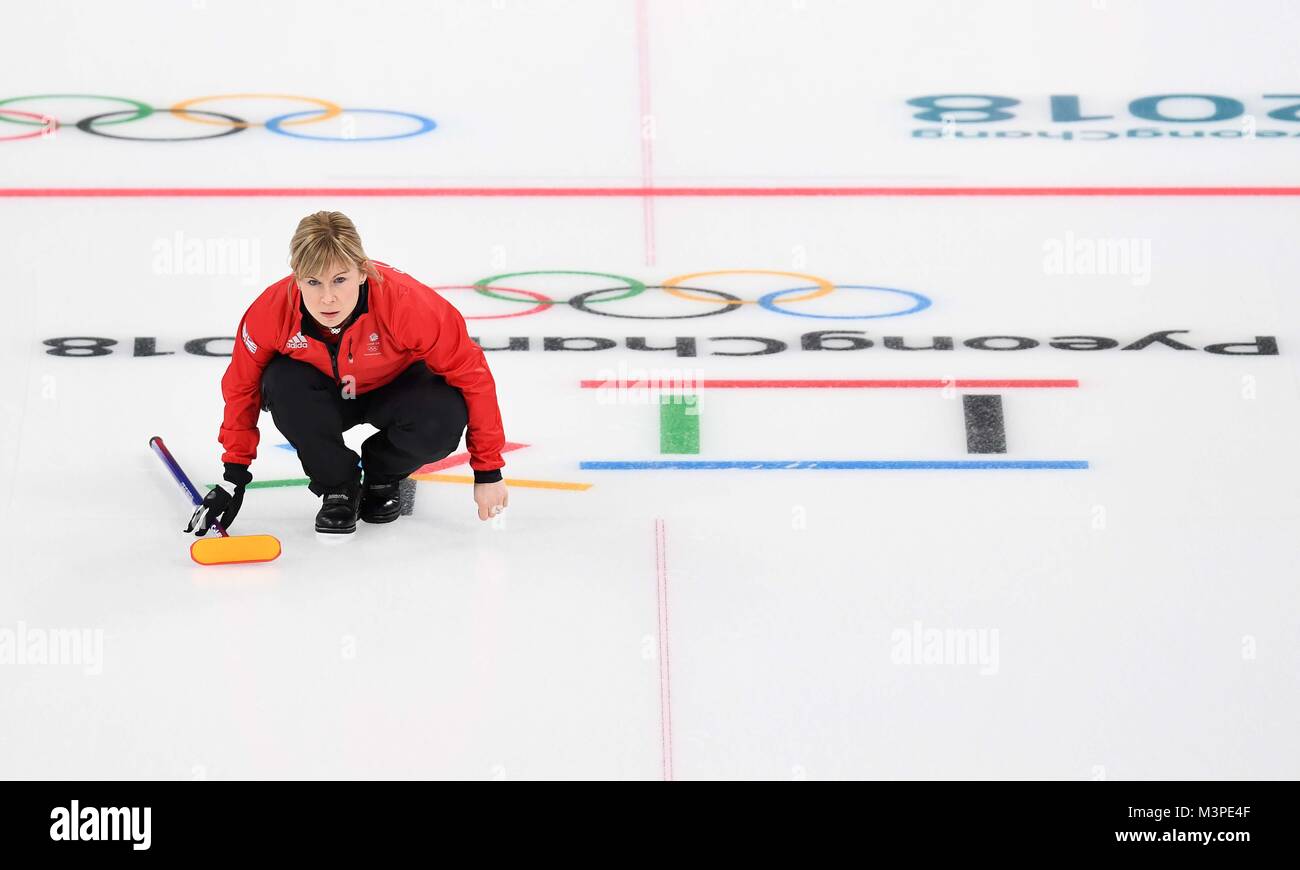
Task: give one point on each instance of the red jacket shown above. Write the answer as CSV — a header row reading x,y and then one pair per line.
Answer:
x,y
406,322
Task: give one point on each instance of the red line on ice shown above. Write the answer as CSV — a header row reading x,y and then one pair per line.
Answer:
x,y
643,191
459,459
665,669
647,143
748,383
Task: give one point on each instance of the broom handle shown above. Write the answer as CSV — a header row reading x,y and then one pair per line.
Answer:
x,y
174,467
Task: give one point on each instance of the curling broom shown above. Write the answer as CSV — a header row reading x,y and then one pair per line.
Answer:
x,y
226,549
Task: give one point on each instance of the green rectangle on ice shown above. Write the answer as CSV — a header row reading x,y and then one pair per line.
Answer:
x,y
679,423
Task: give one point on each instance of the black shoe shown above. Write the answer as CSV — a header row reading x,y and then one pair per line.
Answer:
x,y
338,511
381,502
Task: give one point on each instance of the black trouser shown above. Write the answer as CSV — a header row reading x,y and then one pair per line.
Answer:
x,y
420,418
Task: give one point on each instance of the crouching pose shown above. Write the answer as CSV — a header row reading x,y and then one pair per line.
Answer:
x,y
346,340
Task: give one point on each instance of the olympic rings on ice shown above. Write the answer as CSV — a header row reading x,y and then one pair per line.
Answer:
x,y
425,125
87,125
331,110
184,110
47,125
675,288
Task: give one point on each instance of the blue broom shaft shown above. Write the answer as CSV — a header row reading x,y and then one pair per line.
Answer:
x,y
174,467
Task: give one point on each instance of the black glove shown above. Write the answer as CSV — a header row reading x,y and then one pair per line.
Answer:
x,y
221,507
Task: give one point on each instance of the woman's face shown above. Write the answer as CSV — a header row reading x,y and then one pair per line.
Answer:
x,y
331,297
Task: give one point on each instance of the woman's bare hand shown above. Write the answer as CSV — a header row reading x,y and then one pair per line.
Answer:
x,y
491,498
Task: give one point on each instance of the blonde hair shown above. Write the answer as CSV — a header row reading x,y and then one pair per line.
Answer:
x,y
325,238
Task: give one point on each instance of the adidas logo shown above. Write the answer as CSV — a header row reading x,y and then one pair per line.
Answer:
x,y
298,341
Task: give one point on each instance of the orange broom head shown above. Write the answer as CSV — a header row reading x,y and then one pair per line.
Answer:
x,y
235,549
